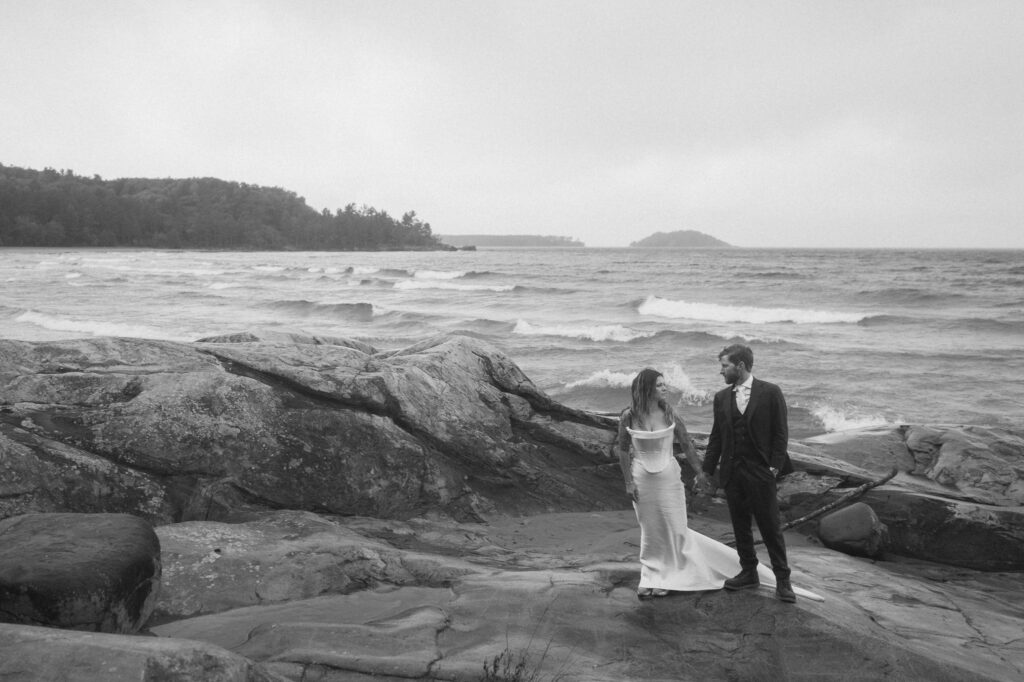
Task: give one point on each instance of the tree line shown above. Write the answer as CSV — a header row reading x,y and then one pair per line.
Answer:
x,y
58,208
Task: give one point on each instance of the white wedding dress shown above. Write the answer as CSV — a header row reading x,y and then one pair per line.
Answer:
x,y
673,557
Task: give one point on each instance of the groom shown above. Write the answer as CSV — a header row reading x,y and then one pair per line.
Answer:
x,y
748,445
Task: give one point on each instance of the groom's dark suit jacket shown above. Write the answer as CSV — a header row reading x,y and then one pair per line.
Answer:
x,y
767,424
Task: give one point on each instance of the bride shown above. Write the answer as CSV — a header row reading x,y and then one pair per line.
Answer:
x,y
672,557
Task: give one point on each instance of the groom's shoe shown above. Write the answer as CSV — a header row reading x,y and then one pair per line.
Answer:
x,y
784,591
743,580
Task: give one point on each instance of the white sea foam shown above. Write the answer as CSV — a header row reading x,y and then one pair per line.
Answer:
x,y
750,338
603,332
666,307
676,378
438,274
269,268
440,284
101,260
72,275
365,270
833,419
225,285
89,326
604,378
679,380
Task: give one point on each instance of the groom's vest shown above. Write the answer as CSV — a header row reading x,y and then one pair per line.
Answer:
x,y
743,447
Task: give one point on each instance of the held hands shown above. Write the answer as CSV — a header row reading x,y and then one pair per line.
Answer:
x,y
702,484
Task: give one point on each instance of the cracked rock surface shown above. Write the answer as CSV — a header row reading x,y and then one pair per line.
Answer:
x,y
174,432
327,511
558,592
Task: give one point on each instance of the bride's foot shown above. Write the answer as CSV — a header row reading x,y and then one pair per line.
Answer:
x,y
644,593
659,593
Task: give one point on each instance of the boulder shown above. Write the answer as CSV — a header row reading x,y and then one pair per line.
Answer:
x,y
982,463
96,572
212,430
952,500
854,530
971,463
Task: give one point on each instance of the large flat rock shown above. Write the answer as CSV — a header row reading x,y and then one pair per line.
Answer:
x,y
557,593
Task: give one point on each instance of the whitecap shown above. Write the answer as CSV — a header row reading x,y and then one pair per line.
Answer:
x,y
604,332
833,419
677,379
436,284
438,274
604,378
750,338
89,326
665,307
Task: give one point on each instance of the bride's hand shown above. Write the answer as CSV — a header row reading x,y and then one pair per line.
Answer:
x,y
632,491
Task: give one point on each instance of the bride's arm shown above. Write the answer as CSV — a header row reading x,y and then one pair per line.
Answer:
x,y
625,456
689,450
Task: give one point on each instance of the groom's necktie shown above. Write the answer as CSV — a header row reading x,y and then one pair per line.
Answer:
x,y
742,397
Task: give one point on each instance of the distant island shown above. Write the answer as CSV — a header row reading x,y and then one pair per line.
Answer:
x,y
462,240
58,208
684,238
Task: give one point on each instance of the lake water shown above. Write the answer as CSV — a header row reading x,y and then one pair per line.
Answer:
x,y
854,337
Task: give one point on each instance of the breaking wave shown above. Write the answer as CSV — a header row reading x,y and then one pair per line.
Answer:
x,y
604,332
676,378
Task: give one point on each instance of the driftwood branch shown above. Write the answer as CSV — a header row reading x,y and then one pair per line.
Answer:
x,y
834,504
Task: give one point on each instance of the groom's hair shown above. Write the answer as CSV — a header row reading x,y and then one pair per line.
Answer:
x,y
738,353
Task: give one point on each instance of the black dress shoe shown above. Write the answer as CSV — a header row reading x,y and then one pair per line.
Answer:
x,y
784,591
743,580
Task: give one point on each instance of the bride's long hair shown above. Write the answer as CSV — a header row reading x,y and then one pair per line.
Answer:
x,y
643,392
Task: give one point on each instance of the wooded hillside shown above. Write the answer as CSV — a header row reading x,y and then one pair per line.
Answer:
x,y
59,208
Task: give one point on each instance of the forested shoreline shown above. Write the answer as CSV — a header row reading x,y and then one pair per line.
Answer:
x,y
59,208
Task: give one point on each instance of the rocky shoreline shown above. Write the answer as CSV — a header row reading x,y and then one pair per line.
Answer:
x,y
327,511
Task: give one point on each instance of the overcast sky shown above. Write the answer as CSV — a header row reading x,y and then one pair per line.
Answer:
x,y
804,124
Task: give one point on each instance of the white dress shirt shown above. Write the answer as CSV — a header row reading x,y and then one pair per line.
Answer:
x,y
743,393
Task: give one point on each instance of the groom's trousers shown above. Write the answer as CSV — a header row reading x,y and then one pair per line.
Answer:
x,y
750,493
